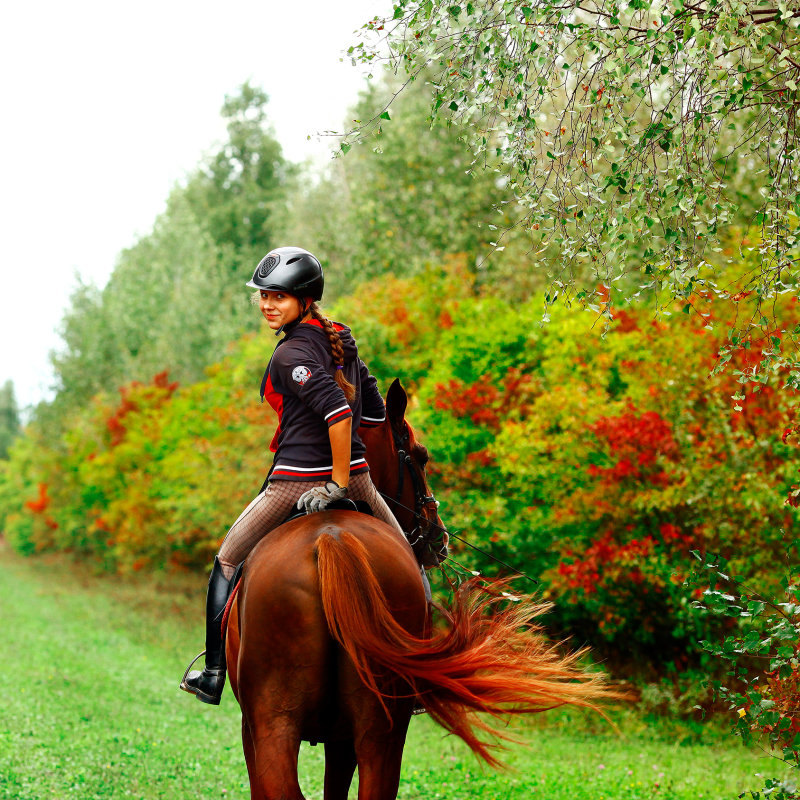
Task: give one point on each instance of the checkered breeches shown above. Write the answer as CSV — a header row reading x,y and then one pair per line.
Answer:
x,y
274,504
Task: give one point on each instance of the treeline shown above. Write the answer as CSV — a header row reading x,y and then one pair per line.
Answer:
x,y
177,297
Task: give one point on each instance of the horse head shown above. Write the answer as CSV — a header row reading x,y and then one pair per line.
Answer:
x,y
397,467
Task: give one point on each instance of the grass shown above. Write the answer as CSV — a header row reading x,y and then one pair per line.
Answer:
x,y
91,709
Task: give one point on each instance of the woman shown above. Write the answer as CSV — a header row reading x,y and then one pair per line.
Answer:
x,y
322,392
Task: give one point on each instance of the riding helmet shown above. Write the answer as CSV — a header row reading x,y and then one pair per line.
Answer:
x,y
292,270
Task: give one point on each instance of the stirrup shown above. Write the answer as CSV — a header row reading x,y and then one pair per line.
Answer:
x,y
183,684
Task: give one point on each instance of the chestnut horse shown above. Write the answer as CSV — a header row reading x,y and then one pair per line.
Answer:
x,y
328,640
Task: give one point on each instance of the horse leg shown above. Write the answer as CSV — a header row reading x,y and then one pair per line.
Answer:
x,y
250,760
273,775
340,764
379,763
378,740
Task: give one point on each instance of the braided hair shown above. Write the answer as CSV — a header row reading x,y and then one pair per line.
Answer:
x,y
337,351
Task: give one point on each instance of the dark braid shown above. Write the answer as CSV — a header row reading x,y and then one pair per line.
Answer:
x,y
337,351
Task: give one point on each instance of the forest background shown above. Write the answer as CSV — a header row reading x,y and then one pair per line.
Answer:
x,y
595,446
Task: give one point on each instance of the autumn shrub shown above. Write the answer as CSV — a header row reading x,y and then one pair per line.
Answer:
x,y
150,479
594,460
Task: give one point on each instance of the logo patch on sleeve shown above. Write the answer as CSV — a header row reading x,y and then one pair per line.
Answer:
x,y
301,375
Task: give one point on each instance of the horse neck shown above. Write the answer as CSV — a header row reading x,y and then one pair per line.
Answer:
x,y
381,457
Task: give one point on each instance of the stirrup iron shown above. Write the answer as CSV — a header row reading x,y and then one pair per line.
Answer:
x,y
188,670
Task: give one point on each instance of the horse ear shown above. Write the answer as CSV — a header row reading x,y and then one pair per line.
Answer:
x,y
396,403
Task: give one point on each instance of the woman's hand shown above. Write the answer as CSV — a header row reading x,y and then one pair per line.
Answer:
x,y
320,497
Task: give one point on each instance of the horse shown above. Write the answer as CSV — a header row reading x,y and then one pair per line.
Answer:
x,y
329,640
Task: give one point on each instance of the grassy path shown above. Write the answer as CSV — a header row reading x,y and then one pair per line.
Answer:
x,y
92,710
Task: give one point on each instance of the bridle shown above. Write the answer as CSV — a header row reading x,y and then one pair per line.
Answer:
x,y
421,498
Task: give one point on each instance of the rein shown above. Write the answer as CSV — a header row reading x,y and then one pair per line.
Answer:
x,y
461,539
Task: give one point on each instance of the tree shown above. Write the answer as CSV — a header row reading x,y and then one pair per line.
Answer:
x,y
176,298
625,129
9,417
240,191
411,206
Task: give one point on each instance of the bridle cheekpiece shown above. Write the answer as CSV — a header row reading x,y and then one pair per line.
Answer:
x,y
422,499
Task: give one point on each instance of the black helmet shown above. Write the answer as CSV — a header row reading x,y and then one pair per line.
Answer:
x,y
291,269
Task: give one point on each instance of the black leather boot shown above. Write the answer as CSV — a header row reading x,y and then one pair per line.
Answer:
x,y
208,684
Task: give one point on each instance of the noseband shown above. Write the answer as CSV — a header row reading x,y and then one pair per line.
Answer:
x,y
421,498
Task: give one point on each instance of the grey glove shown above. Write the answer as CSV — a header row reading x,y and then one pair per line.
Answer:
x,y
319,497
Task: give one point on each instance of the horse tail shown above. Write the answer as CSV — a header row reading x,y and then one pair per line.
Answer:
x,y
489,657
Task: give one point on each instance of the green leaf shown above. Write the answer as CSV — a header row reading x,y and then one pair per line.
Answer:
x,y
345,148
385,115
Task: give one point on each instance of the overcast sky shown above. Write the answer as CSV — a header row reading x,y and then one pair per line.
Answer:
x,y
107,106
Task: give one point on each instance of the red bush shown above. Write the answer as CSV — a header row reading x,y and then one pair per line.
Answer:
x,y
636,442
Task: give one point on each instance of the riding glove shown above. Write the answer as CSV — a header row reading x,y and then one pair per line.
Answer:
x,y
319,497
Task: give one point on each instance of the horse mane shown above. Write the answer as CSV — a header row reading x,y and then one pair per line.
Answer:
x,y
488,657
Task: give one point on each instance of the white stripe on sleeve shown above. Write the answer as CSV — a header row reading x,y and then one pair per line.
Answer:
x,y
336,411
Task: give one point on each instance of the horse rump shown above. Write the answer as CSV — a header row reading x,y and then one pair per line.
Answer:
x,y
488,657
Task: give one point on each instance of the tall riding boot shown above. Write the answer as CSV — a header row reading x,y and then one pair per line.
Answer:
x,y
208,684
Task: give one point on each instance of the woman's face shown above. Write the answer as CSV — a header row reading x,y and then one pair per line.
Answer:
x,y
278,308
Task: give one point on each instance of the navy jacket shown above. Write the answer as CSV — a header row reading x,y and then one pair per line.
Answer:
x,y
299,384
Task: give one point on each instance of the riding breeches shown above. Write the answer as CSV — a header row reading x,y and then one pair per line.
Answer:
x,y
274,505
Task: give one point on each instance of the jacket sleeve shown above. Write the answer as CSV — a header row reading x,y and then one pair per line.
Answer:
x,y
373,409
297,370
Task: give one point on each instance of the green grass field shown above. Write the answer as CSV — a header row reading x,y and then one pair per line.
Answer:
x,y
92,709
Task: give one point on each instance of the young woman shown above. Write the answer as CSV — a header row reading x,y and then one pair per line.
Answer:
x,y
322,392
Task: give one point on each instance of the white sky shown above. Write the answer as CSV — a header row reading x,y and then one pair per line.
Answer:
x,y
105,106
